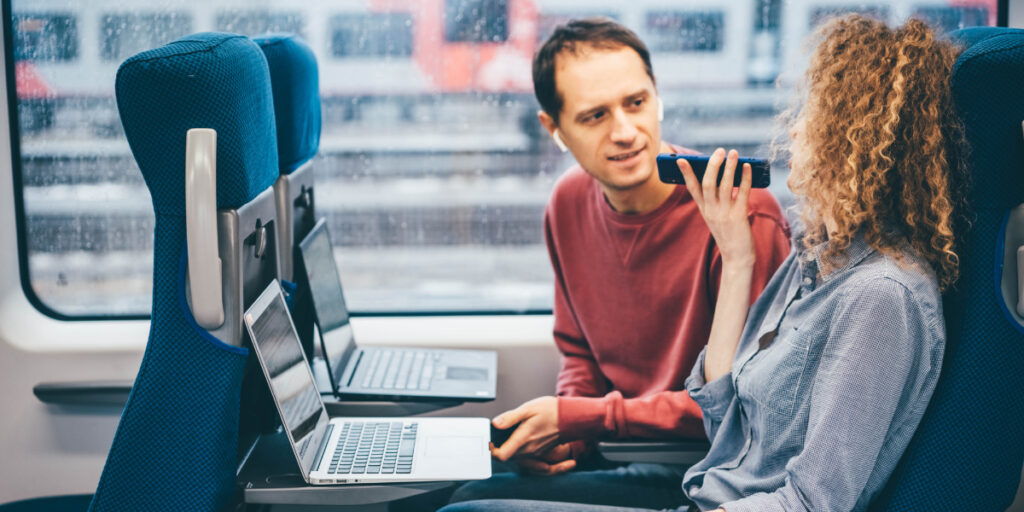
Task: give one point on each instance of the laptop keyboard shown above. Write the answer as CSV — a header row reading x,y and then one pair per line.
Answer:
x,y
401,369
374,448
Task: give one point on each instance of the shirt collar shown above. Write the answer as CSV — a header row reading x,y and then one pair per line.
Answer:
x,y
810,261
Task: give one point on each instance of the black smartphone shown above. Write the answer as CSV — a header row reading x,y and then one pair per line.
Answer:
x,y
499,436
669,171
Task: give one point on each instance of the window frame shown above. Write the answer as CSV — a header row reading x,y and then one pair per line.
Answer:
x,y
133,323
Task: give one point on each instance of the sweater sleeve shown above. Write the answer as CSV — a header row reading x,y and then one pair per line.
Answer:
x,y
580,374
659,415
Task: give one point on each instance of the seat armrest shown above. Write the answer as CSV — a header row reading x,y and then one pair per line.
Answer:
x,y
685,452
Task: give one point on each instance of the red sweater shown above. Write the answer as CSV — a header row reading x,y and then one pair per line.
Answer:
x,y
634,300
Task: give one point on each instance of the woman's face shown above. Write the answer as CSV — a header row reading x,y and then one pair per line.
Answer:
x,y
799,153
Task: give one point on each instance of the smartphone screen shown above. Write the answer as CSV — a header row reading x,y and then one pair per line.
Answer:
x,y
669,171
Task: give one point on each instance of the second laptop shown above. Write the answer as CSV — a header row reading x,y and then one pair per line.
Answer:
x,y
382,373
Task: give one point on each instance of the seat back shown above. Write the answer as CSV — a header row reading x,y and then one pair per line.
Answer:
x,y
294,78
968,450
176,445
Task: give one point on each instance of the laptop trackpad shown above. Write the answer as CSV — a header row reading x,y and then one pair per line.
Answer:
x,y
454,446
465,373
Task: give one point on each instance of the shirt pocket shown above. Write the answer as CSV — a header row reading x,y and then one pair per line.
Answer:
x,y
773,377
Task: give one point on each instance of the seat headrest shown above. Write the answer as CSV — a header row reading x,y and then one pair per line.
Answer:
x,y
207,80
295,80
986,89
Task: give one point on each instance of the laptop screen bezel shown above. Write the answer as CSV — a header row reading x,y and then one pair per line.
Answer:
x,y
336,365
308,460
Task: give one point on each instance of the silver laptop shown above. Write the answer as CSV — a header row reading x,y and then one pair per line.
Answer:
x,y
356,450
382,373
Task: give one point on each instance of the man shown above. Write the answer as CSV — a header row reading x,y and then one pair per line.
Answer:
x,y
636,278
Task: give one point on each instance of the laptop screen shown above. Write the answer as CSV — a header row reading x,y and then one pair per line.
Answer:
x,y
286,367
328,298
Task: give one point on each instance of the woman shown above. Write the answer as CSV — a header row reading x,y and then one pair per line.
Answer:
x,y
811,401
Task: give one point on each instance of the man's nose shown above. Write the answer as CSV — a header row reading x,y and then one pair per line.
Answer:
x,y
623,128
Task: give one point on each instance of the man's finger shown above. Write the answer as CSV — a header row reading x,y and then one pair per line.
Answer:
x,y
532,465
540,467
562,467
558,453
512,445
509,419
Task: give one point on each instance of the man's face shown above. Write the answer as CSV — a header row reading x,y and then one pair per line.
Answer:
x,y
609,117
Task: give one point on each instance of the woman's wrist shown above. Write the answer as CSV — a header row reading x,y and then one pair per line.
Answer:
x,y
738,266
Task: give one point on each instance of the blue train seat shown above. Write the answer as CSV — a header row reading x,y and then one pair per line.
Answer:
x,y
968,450
176,447
294,79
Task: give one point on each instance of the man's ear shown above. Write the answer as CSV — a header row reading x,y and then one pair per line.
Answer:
x,y
547,122
552,128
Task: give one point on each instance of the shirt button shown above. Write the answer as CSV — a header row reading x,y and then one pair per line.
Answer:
x,y
808,281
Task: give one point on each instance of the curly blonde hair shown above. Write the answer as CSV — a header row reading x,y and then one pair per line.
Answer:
x,y
886,150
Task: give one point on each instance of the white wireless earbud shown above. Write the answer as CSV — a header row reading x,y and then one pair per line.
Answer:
x,y
661,111
559,142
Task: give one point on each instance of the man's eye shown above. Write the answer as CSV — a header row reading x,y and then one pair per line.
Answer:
x,y
595,117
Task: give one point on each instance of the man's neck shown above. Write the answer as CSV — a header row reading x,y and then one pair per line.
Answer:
x,y
639,200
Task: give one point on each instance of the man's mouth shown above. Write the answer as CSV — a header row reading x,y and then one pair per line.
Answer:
x,y
625,156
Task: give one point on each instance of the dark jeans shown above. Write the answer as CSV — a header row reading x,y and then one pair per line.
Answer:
x,y
643,486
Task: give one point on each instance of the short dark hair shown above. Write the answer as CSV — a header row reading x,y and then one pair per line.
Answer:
x,y
598,32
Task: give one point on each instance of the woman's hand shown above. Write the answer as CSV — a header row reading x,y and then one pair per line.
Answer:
x,y
726,216
724,211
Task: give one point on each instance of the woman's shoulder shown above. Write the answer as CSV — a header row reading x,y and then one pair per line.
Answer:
x,y
897,271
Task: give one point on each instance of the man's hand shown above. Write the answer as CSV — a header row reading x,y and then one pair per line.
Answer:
x,y
536,424
552,462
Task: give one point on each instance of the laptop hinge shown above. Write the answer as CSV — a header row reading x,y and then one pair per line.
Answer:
x,y
351,369
323,447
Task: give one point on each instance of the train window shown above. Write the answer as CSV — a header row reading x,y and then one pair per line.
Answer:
x,y
476,21
127,34
820,14
49,36
952,18
371,35
257,22
675,31
433,171
549,20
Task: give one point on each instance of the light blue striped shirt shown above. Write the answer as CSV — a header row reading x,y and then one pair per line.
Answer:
x,y
818,419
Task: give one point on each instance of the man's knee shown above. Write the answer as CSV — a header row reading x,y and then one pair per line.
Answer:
x,y
470,506
492,488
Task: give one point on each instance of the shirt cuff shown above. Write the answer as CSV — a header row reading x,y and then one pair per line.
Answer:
x,y
759,502
581,417
713,397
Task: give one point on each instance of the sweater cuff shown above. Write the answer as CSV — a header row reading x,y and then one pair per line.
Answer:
x,y
581,417
713,397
